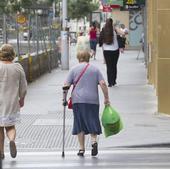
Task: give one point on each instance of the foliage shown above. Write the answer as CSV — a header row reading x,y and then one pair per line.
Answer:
x,y
12,6
78,9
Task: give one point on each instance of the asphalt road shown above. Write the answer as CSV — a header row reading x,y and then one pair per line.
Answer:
x,y
107,159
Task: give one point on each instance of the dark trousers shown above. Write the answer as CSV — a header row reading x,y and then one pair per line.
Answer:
x,y
111,58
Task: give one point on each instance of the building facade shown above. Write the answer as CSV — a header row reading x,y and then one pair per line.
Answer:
x,y
158,39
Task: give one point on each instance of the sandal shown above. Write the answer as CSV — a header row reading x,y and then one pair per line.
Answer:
x,y
94,150
2,156
13,150
81,153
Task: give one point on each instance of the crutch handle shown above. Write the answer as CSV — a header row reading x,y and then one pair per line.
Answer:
x,y
66,87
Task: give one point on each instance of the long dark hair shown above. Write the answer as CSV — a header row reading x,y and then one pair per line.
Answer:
x,y
108,31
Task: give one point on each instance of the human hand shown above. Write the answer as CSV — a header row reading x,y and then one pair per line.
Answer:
x,y
121,50
21,102
107,102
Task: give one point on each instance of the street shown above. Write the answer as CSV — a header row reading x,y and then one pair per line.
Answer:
x,y
107,159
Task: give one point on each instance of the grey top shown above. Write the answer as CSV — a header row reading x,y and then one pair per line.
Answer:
x,y
86,90
13,86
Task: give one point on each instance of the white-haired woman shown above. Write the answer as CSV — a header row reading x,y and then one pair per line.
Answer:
x,y
85,98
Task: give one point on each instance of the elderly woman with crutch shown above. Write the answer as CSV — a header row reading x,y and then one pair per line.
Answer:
x,y
85,79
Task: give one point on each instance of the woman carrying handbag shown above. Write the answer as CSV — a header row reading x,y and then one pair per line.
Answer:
x,y
85,99
111,46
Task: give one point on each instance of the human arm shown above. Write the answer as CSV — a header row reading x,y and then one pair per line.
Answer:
x,y
119,32
67,84
22,87
68,81
104,88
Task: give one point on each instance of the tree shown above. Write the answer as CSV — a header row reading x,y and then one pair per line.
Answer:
x,y
11,6
78,9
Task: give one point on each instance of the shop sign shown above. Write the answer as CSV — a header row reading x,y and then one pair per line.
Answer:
x,y
133,4
107,8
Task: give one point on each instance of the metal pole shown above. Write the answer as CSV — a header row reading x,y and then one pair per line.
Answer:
x,y
4,29
145,34
18,45
53,9
29,34
37,34
64,38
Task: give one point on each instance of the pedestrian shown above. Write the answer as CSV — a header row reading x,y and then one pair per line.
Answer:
x,y
85,99
12,93
142,41
59,50
93,39
80,31
109,42
122,38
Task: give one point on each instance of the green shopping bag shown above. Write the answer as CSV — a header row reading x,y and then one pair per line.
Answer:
x,y
111,121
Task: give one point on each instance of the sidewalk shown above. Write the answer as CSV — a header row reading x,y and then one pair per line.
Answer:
x,y
39,136
41,126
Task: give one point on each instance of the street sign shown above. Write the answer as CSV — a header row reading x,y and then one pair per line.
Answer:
x,y
21,19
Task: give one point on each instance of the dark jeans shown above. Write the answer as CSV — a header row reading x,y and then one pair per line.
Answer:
x,y
111,58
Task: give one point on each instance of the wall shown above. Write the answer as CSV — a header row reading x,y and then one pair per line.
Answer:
x,y
135,27
158,45
34,66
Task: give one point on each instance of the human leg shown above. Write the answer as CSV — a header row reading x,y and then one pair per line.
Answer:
x,y
94,150
108,55
81,139
2,138
95,46
86,121
114,66
11,134
93,138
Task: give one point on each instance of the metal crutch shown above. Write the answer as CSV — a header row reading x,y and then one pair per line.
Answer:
x,y
65,90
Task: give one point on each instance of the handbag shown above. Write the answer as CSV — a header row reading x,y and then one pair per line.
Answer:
x,y
69,102
121,41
